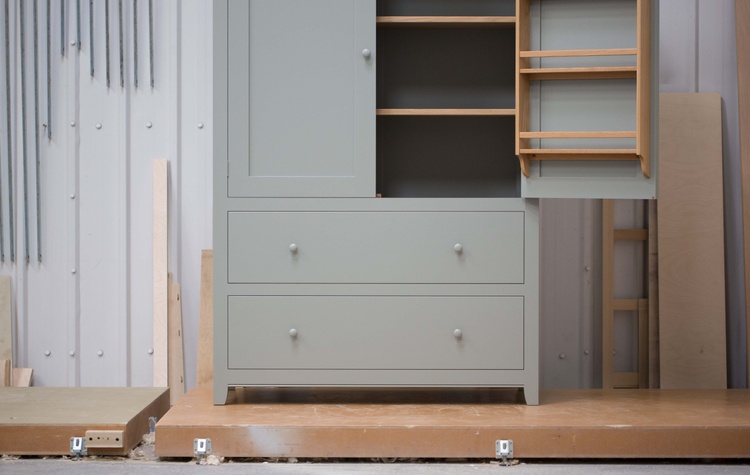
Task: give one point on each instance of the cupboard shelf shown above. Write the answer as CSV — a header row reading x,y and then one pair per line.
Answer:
x,y
446,21
446,112
579,135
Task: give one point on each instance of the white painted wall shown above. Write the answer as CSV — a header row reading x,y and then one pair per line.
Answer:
x,y
92,291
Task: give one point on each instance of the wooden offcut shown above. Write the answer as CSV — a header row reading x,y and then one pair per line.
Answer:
x,y
205,368
161,289
453,423
41,421
175,343
653,297
692,316
742,18
21,377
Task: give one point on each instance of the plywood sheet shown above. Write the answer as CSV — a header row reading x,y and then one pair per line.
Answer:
x,y
41,421
692,320
742,17
21,377
461,423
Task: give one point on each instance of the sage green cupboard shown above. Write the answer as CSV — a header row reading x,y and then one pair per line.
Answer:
x,y
373,224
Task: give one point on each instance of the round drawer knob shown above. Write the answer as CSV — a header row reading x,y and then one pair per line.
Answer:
x,y
293,248
458,333
459,248
366,53
293,333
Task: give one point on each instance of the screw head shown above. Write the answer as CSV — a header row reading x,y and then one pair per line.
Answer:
x,y
98,126
72,196
200,125
72,271
149,125
561,356
150,351
72,353
100,353
72,123
47,352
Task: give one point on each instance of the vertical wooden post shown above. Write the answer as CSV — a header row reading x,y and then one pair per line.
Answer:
x,y
742,18
205,367
161,290
608,289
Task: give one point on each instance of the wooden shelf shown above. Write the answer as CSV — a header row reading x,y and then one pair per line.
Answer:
x,y
447,112
609,72
579,53
580,153
445,21
578,135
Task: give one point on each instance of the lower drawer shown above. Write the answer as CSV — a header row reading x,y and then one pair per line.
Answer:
x,y
398,333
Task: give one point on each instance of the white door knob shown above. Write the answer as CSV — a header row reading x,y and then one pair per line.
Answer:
x,y
458,333
459,248
293,248
293,333
366,53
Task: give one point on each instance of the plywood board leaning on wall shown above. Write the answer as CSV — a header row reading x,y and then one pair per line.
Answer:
x,y
161,286
6,329
692,309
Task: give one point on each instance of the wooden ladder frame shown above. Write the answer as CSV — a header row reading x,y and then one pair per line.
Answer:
x,y
645,308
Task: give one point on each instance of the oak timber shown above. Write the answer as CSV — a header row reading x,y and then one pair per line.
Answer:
x,y
570,53
447,112
205,366
175,344
41,420
692,315
445,21
448,423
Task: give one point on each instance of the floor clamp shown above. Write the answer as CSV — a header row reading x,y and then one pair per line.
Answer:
x,y
201,447
504,451
78,447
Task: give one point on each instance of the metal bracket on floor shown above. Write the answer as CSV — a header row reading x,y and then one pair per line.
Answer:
x,y
201,447
504,451
78,447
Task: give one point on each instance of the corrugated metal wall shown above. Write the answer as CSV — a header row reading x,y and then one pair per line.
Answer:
x,y
83,315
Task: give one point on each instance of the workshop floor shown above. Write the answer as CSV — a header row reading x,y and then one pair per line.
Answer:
x,y
116,466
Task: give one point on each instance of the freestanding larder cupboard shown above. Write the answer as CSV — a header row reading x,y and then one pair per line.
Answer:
x,y
377,165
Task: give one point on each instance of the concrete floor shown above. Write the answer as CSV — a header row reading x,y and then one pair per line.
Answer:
x,y
118,466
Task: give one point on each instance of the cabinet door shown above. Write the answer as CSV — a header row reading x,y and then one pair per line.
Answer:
x,y
588,99
301,98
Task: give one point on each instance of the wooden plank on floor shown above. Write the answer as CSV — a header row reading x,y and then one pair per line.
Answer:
x,y
205,366
692,316
21,377
6,329
453,423
175,344
41,420
161,289
742,18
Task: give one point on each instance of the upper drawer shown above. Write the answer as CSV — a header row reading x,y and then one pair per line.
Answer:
x,y
376,247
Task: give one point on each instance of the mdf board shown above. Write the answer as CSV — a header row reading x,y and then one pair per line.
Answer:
x,y
41,421
161,286
692,321
448,423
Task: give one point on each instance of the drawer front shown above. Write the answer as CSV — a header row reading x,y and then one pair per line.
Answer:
x,y
376,247
398,333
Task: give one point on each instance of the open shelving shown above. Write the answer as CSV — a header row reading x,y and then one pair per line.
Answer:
x,y
529,68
